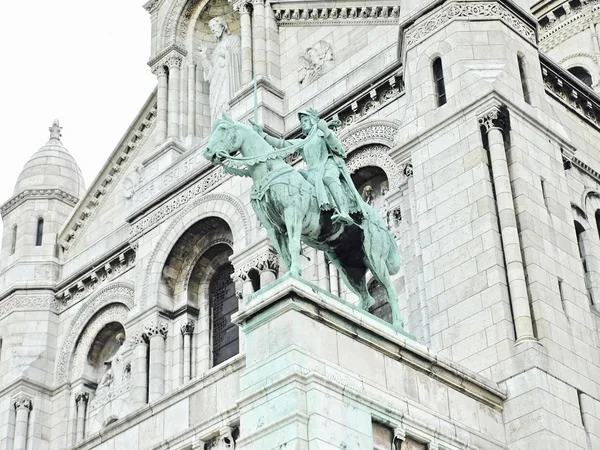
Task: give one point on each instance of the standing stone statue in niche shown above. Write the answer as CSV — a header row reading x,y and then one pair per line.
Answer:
x,y
314,62
223,68
318,206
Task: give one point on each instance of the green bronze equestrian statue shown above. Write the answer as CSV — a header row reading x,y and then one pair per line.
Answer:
x,y
318,206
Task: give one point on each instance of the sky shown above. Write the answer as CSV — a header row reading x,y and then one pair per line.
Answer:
x,y
79,61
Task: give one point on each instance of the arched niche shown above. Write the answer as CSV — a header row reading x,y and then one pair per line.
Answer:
x,y
205,240
372,184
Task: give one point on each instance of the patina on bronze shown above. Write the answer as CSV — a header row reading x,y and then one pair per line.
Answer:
x,y
318,206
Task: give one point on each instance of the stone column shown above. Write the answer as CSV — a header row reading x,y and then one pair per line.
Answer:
x,y
81,400
259,38
139,371
157,333
161,104
321,263
191,113
246,37
268,267
515,272
334,280
174,64
187,330
23,406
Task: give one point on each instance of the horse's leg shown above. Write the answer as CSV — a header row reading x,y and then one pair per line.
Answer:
x,y
356,283
293,225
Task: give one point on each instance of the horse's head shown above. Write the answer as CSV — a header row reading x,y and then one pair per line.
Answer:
x,y
224,141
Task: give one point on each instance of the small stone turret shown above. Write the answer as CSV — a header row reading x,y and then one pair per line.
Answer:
x,y
46,191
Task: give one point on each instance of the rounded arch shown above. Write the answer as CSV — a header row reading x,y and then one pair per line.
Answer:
x,y
221,206
377,155
381,132
118,292
112,313
203,270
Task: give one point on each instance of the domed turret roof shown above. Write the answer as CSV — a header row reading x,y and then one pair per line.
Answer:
x,y
52,167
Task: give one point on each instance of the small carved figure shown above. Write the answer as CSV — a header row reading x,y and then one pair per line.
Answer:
x,y
223,68
368,195
314,62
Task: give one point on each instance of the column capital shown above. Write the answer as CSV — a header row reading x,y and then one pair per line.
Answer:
x,y
226,437
21,400
156,327
265,260
159,70
82,397
188,327
136,338
173,60
493,118
245,7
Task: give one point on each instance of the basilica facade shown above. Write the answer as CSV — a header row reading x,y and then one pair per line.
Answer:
x,y
150,310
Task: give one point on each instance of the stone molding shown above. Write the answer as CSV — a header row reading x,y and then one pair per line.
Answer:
x,y
377,155
576,20
152,5
134,140
113,313
571,92
319,16
93,279
181,200
422,28
578,55
37,194
115,293
178,20
28,302
22,400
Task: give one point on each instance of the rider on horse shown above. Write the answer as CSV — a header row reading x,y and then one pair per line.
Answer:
x,y
324,154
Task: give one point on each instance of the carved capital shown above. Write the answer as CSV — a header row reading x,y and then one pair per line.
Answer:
x,y
226,438
160,70
155,328
82,398
187,327
23,401
494,118
245,7
173,60
268,260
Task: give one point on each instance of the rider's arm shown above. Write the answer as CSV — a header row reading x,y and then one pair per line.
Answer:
x,y
332,140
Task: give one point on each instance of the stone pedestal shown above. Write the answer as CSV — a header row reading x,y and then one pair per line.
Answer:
x,y
319,374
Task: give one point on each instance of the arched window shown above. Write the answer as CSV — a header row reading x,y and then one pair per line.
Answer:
x,y
13,242
579,230
223,303
39,232
438,77
582,74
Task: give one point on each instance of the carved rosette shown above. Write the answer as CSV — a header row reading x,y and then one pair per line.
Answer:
x,y
155,328
23,401
82,398
494,118
187,328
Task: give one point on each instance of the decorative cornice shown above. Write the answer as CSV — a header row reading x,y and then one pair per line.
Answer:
x,y
38,194
103,273
28,303
571,92
576,20
120,159
424,27
365,15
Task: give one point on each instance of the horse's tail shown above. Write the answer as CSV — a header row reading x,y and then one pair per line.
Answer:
x,y
379,236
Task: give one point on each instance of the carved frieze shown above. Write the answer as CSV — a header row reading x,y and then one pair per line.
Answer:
x,y
362,15
41,194
425,27
29,302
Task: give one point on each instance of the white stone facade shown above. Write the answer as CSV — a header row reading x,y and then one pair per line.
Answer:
x,y
129,316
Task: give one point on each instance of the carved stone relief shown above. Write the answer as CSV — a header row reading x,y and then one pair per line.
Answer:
x,y
314,62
